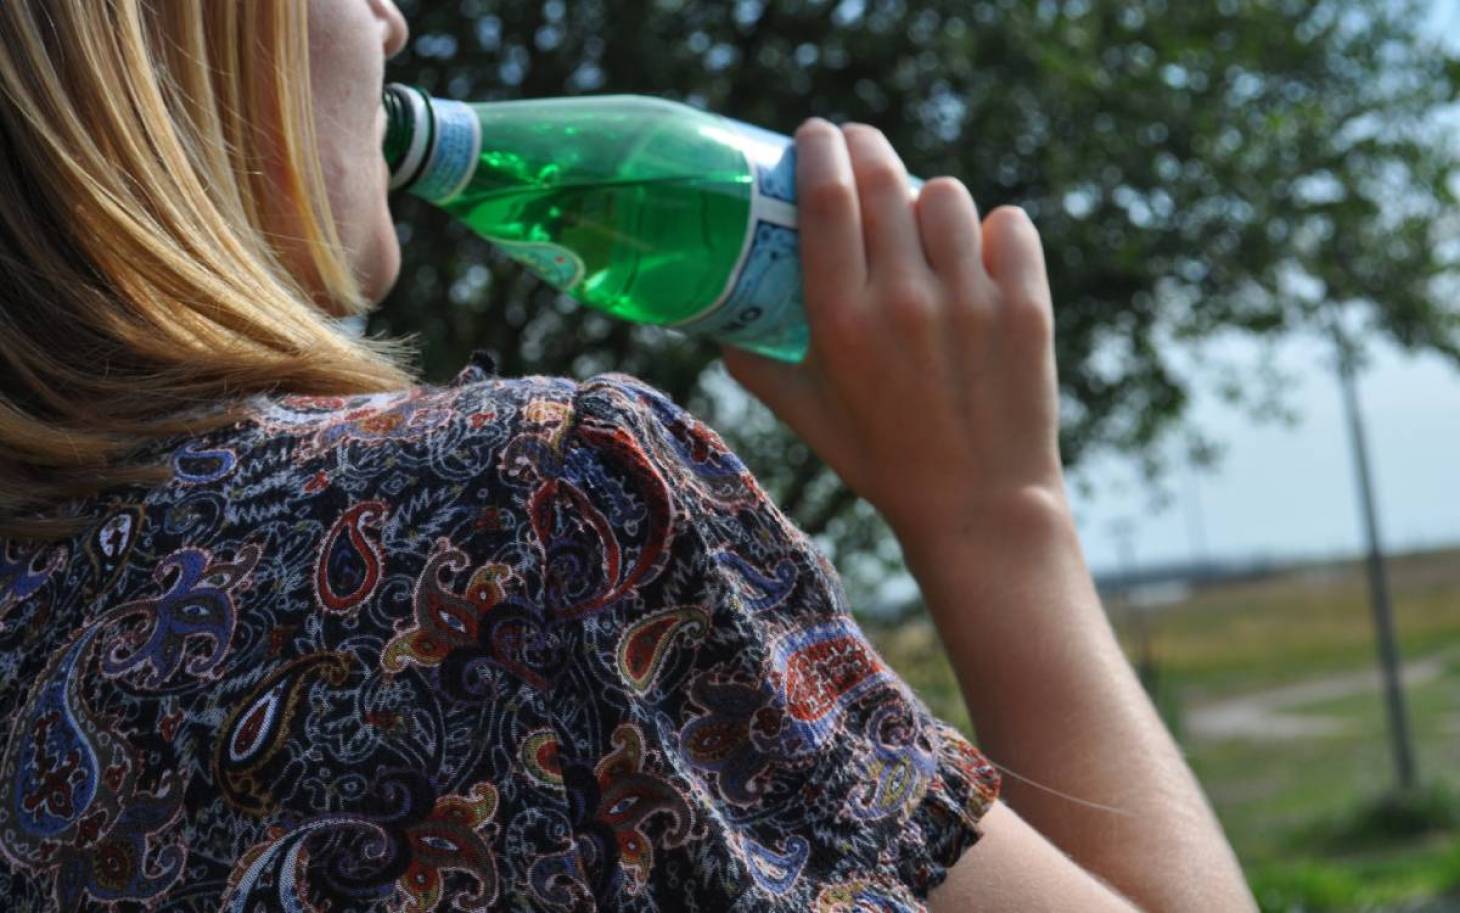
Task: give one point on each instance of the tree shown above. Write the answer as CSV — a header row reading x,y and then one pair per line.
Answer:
x,y
1194,168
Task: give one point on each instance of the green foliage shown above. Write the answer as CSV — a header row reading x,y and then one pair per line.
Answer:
x,y
1390,818
1194,168
1310,887
1414,880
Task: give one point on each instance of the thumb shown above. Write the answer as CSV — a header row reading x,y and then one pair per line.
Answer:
x,y
788,390
796,395
767,378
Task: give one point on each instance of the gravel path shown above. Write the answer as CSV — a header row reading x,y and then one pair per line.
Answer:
x,y
1273,715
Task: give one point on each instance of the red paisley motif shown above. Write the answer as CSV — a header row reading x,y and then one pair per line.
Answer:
x,y
559,495
820,673
347,553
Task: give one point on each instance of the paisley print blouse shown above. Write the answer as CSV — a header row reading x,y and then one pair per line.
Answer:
x,y
498,644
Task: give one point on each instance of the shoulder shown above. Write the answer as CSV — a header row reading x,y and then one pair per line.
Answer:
x,y
478,438
473,409
400,439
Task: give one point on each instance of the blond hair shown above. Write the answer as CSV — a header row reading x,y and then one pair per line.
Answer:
x,y
142,284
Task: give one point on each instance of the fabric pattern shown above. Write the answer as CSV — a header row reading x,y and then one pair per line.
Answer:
x,y
500,644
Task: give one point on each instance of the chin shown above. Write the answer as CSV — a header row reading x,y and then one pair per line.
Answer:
x,y
380,272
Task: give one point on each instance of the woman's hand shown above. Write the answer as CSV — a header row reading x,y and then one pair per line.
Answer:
x,y
930,383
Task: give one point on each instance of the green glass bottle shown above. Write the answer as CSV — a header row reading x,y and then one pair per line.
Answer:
x,y
647,209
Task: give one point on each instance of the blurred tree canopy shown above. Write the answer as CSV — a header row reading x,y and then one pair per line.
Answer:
x,y
1194,168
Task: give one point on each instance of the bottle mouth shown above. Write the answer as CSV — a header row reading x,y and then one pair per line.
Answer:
x,y
410,129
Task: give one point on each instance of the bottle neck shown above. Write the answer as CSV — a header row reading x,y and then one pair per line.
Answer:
x,y
409,132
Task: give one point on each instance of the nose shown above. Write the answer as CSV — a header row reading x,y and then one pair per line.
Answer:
x,y
396,32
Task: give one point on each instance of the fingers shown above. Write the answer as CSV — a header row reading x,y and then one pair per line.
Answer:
x,y
889,225
1014,256
830,221
951,236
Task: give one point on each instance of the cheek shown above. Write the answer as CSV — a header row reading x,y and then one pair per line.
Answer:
x,y
355,180
357,193
336,167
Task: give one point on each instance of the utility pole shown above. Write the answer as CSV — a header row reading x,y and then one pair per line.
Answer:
x,y
1123,530
1196,522
1378,575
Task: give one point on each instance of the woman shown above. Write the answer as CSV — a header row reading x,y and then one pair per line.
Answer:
x,y
283,629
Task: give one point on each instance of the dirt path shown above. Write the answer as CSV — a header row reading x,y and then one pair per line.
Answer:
x,y
1272,715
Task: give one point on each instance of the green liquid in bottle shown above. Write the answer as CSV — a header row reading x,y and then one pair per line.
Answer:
x,y
646,209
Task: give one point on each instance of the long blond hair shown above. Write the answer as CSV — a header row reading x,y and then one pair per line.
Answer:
x,y
141,285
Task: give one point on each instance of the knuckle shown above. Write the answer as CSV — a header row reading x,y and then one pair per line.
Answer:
x,y
841,328
974,318
910,303
861,131
1031,322
841,335
882,176
829,199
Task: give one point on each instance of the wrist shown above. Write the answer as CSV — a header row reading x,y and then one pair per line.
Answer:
x,y
1024,519
1007,587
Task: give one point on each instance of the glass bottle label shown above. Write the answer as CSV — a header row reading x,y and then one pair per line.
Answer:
x,y
454,156
763,297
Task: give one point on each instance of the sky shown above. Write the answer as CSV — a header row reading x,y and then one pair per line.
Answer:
x,y
1290,492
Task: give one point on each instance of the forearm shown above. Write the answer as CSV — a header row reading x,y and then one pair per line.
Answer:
x,y
1054,700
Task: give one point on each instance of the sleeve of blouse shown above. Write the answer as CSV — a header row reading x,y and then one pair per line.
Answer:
x,y
727,735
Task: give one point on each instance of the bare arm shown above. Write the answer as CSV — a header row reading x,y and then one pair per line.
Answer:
x,y
1014,869
1054,700
931,389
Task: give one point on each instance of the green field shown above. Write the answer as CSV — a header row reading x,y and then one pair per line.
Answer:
x,y
1315,818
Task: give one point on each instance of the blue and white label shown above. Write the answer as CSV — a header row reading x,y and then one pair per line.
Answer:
x,y
762,301
763,306
765,298
774,158
454,154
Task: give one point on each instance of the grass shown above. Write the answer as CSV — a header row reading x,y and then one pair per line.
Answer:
x,y
1262,790
1395,818
1259,634
1314,820
1318,886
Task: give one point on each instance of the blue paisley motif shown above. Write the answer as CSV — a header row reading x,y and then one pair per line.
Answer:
x,y
196,466
59,771
74,786
773,588
777,872
22,574
725,742
897,771
197,605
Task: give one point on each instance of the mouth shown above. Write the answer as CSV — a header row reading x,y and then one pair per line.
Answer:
x,y
381,125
